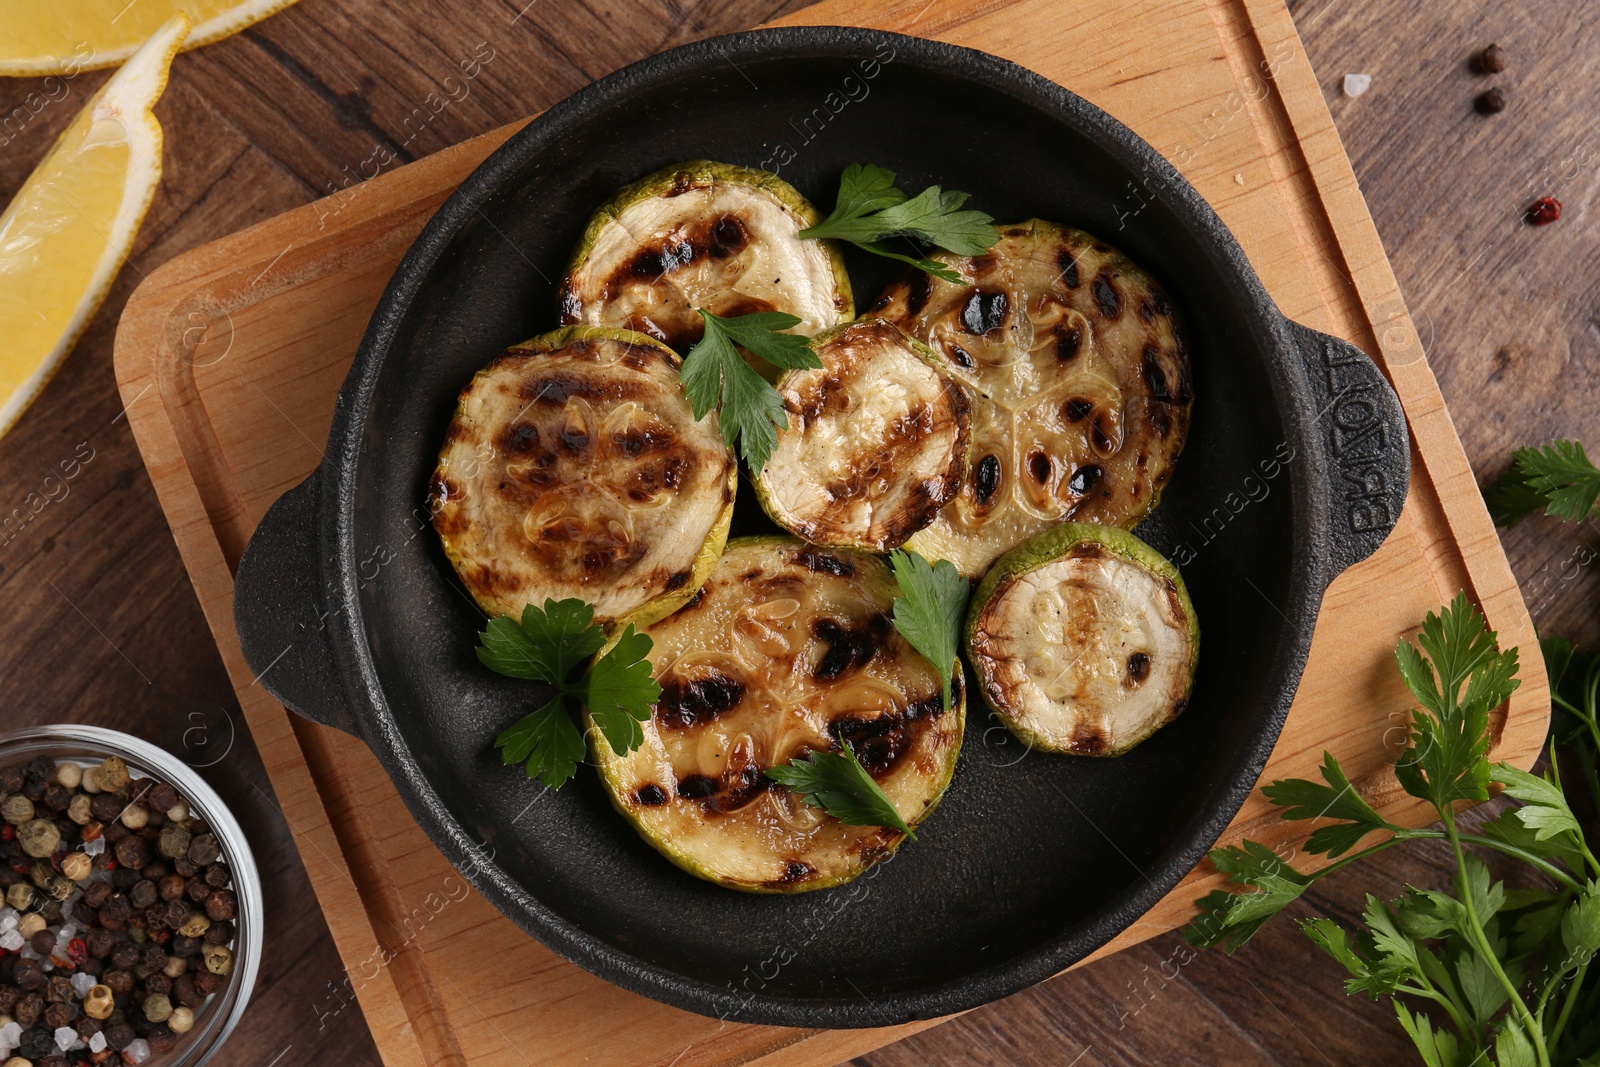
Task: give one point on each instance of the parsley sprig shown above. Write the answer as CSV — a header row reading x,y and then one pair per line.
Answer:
x,y
1558,477
1508,968
555,646
871,210
929,609
714,375
838,784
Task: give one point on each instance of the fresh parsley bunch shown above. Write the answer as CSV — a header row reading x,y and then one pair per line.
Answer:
x,y
556,645
1481,974
871,210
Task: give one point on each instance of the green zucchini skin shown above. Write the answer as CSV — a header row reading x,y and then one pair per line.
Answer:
x,y
691,235
574,467
876,441
753,677
1099,719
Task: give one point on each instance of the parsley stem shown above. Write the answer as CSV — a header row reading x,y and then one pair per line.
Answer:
x,y
1566,1007
1547,868
1431,992
1519,1007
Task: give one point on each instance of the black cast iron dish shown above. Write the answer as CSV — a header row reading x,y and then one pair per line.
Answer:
x,y
1296,468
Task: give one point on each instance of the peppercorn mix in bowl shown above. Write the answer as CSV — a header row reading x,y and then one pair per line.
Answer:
x,y
130,931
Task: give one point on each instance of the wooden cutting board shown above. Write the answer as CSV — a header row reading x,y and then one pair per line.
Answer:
x,y
229,357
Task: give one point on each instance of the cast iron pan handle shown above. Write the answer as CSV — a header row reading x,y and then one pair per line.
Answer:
x,y
277,609
1366,447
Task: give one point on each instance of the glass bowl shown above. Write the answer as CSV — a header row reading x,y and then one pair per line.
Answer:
x,y
89,745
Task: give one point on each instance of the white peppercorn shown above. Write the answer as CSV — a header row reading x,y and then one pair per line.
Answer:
x,y
99,1003
78,809
77,866
20,896
175,967
90,782
31,924
17,1061
134,816
178,812
69,774
181,1020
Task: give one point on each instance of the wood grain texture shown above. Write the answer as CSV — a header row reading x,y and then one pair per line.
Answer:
x,y
103,628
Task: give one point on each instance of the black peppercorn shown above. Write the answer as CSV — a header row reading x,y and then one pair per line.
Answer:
x,y
43,942
162,797
8,997
204,850
97,894
116,907
184,990
143,894
58,1014
1490,102
124,878
29,975
58,990
154,957
171,887
56,797
133,852
125,956
92,967
218,876
207,983
86,1027
98,942
114,832
118,981
119,1035
36,1044
184,867
158,984
221,904
219,933
161,1038
184,947
10,779
28,1009
105,808
1491,60
196,889
155,870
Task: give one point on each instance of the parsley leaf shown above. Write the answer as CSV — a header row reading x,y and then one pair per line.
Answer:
x,y
714,375
551,646
929,610
1302,799
1558,477
871,209
839,785
1231,919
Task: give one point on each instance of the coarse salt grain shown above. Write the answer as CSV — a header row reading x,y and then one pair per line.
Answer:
x,y
10,1035
8,917
27,951
97,1043
82,983
11,940
95,847
1356,84
137,1052
65,1036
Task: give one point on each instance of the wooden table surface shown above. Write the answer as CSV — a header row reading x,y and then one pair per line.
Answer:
x,y
100,625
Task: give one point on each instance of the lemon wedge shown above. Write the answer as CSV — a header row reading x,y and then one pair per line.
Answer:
x,y
65,36
71,225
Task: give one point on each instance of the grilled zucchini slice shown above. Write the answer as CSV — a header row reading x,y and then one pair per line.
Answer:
x,y
574,468
1084,640
1080,382
876,442
787,648
704,235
